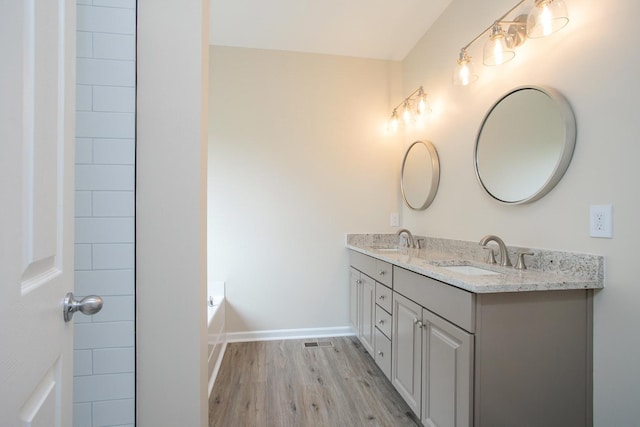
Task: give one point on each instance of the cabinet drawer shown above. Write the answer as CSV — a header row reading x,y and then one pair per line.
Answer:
x,y
384,273
383,353
384,297
383,321
378,270
454,304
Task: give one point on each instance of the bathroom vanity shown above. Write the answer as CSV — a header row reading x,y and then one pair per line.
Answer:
x,y
471,344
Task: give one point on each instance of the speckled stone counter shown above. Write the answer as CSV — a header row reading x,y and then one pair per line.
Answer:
x,y
546,270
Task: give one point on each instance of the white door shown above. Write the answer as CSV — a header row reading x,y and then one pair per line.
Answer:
x,y
37,77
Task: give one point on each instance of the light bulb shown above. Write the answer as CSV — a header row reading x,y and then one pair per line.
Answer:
x,y
393,123
464,74
406,112
547,17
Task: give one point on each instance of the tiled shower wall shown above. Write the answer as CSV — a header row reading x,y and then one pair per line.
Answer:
x,y
104,364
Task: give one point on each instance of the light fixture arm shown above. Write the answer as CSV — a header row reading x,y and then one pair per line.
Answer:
x,y
408,98
500,20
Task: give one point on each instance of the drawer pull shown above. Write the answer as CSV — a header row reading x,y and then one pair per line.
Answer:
x,y
381,354
381,297
382,273
381,322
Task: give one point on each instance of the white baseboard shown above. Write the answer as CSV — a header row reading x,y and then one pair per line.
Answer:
x,y
289,334
216,368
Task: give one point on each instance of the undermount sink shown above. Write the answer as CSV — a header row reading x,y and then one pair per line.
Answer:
x,y
383,249
469,270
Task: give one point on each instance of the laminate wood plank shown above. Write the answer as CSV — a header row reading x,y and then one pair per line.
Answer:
x,y
282,383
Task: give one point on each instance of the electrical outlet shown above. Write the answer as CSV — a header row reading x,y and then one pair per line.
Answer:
x,y
601,221
394,219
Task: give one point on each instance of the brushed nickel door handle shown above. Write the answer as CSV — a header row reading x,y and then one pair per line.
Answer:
x,y
88,305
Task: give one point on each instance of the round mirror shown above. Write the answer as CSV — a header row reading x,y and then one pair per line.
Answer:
x,y
420,175
525,144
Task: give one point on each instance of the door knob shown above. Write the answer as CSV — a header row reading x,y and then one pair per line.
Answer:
x,y
88,305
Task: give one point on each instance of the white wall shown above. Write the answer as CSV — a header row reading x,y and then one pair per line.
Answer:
x,y
104,359
298,157
171,331
595,63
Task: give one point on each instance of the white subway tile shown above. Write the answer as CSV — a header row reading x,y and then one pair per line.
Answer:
x,y
114,151
114,360
91,124
113,256
84,98
116,308
82,362
127,4
103,387
105,177
114,203
103,335
83,257
84,44
84,151
105,19
104,230
106,72
114,46
114,99
114,413
105,282
82,414
83,203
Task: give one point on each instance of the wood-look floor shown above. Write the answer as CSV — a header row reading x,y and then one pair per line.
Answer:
x,y
282,383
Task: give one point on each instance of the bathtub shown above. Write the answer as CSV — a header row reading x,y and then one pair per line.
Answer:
x,y
217,342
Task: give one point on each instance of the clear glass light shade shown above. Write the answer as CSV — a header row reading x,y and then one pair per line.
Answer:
x,y
464,73
406,112
496,51
393,123
548,16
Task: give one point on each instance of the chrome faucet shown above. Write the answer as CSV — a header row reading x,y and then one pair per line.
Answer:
x,y
410,241
504,256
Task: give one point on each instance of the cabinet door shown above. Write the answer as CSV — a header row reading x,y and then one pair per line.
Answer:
x,y
406,342
354,284
367,312
446,373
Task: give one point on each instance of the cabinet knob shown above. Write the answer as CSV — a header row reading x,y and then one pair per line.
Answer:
x,y
380,354
418,323
381,322
382,273
359,282
381,297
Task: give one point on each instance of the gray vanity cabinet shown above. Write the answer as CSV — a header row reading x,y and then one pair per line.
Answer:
x,y
406,374
447,368
354,286
370,306
362,292
492,359
432,365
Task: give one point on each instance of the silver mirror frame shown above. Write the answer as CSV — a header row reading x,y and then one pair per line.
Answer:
x,y
435,175
563,160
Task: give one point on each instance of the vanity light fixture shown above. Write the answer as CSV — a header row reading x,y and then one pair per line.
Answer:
x,y
546,17
414,109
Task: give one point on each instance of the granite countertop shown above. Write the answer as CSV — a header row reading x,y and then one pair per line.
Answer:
x,y
547,270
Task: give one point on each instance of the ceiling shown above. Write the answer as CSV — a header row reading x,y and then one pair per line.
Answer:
x,y
380,29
